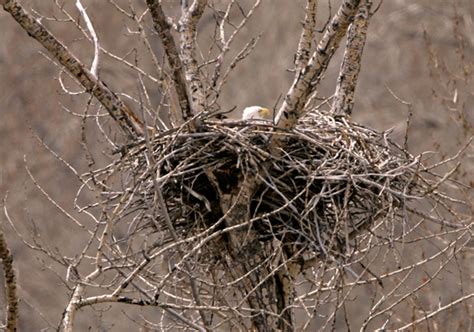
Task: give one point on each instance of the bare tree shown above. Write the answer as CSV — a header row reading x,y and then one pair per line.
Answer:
x,y
257,225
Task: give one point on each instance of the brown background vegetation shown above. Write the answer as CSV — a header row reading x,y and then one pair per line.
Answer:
x,y
397,57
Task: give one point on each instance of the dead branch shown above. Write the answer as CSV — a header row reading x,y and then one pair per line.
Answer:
x,y
95,63
225,43
440,309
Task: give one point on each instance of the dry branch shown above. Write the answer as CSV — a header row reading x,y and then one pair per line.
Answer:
x,y
218,79
125,118
95,62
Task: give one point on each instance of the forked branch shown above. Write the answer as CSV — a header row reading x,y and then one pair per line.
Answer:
x,y
307,78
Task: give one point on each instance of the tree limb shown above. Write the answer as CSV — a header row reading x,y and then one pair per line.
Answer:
x,y
67,321
188,35
163,29
95,39
350,67
307,34
126,119
307,78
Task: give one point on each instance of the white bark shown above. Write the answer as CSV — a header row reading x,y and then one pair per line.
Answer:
x,y
350,67
307,78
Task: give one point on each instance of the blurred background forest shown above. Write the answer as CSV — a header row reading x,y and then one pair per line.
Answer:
x,y
422,51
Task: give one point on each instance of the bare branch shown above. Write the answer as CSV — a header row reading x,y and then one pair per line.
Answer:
x,y
126,119
240,225
95,63
307,79
67,322
344,97
307,34
163,29
225,45
448,306
188,35
243,53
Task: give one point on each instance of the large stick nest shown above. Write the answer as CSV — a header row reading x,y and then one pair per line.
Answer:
x,y
328,182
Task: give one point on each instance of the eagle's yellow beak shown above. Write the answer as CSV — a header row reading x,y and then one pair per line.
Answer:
x,y
265,113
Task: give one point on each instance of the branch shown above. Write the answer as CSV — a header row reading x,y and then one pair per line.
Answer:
x,y
67,322
163,29
307,78
225,46
163,209
188,34
426,317
10,284
126,119
307,34
95,39
350,67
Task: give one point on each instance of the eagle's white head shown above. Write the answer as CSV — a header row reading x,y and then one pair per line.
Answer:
x,y
257,113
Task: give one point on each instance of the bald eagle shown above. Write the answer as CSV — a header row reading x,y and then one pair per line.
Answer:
x,y
257,113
